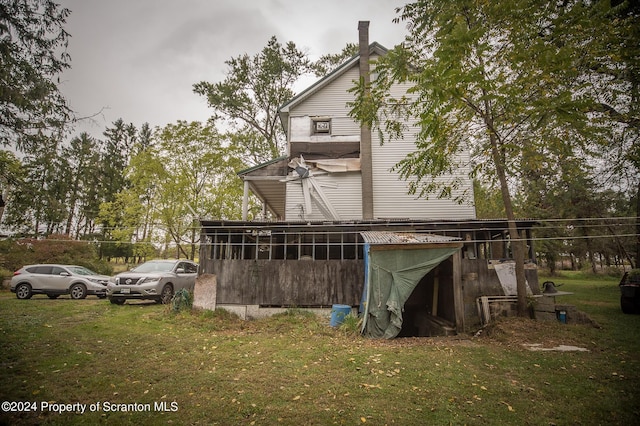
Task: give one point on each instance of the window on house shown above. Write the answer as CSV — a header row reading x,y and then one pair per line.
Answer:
x,y
320,125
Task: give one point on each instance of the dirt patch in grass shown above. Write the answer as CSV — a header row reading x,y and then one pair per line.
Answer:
x,y
520,331
416,342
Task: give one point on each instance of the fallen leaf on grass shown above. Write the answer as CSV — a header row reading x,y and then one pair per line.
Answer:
x,y
368,386
508,406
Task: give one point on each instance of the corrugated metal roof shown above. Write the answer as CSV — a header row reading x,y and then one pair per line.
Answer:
x,y
384,237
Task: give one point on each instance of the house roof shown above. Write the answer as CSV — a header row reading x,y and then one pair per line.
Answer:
x,y
374,48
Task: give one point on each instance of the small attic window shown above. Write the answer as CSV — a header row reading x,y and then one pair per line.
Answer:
x,y
321,125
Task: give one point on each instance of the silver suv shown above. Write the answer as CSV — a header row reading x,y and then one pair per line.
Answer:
x,y
54,280
155,280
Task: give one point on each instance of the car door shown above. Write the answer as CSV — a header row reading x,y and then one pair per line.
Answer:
x,y
60,279
186,275
39,277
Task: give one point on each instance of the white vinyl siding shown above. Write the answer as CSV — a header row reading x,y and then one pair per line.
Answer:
x,y
343,190
342,130
391,197
331,102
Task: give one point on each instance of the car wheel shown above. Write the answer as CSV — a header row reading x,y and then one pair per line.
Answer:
x,y
78,291
23,291
117,300
53,296
167,294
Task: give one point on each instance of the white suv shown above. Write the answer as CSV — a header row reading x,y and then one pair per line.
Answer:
x,y
155,280
55,280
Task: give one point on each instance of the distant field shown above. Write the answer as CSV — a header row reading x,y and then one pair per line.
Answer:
x,y
143,364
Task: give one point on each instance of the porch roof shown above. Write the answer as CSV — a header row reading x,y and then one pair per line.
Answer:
x,y
402,238
266,182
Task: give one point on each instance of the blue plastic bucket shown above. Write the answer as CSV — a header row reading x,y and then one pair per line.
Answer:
x,y
338,312
562,317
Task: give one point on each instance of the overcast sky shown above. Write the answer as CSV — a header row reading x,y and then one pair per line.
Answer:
x,y
138,59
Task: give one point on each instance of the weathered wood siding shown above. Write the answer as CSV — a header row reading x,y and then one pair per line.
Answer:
x,y
288,282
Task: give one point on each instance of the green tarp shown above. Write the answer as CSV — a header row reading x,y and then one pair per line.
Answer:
x,y
391,276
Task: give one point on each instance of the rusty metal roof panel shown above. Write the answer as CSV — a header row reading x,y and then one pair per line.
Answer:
x,y
382,237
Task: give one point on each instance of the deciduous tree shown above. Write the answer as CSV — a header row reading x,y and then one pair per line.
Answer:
x,y
82,161
492,78
198,181
249,97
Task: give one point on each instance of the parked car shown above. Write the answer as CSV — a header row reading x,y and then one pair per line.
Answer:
x,y
153,280
55,280
630,292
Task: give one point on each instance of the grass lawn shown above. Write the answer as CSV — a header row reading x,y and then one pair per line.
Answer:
x,y
143,364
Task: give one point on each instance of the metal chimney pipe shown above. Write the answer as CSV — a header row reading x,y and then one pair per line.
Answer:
x,y
366,162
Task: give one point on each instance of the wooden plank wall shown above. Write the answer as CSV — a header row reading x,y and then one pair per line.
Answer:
x,y
288,282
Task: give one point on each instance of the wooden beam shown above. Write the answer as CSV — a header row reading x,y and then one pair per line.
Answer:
x,y
458,298
245,200
434,302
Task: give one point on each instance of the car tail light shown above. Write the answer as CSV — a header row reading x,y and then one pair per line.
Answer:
x,y
17,273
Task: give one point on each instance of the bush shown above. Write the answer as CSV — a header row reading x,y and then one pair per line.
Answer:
x,y
14,254
182,300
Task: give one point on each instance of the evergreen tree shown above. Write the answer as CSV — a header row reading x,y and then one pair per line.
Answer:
x,y
32,54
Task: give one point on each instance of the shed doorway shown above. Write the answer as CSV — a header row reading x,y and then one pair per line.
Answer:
x,y
430,309
395,263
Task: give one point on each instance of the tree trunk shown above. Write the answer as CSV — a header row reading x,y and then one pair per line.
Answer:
x,y
517,242
637,262
72,208
3,196
592,260
551,264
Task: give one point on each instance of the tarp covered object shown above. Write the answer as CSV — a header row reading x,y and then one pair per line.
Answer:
x,y
391,276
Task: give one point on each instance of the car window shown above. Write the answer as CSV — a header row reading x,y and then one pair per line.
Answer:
x,y
80,270
190,268
40,269
56,270
154,267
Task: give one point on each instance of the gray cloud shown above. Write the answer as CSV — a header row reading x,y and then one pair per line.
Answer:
x,y
139,59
